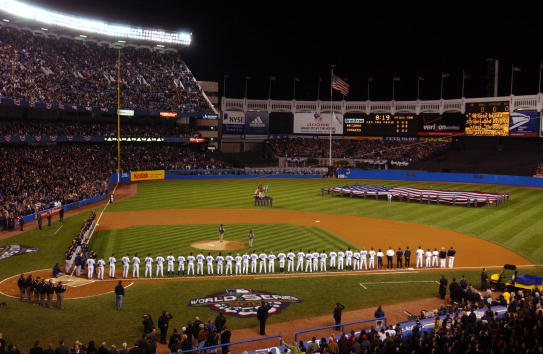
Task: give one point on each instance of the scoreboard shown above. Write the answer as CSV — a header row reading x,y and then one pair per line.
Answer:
x,y
380,124
487,119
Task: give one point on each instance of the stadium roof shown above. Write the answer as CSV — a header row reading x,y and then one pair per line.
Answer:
x,y
30,13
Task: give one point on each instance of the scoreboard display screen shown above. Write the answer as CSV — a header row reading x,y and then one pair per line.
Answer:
x,y
380,124
487,119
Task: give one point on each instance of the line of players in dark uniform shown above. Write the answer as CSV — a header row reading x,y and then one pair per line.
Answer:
x,y
39,291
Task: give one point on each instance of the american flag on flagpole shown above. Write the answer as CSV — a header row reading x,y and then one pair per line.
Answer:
x,y
340,85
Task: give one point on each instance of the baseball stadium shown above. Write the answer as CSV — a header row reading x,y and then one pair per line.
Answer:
x,y
144,210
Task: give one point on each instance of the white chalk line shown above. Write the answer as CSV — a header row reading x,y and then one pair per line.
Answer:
x,y
58,229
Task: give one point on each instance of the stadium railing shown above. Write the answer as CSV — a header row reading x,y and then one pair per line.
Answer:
x,y
203,349
379,321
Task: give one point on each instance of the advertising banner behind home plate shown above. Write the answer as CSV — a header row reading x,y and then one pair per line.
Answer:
x,y
318,123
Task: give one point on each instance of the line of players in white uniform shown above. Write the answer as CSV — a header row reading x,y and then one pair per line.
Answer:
x,y
253,263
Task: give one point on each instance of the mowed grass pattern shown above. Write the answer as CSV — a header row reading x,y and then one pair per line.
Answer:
x,y
517,225
161,240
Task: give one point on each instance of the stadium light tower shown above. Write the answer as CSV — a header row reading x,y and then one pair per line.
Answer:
x,y
53,18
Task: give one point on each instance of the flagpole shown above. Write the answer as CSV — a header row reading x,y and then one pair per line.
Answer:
x,y
245,87
331,113
368,88
441,91
418,88
319,90
118,115
512,77
294,88
463,79
539,83
393,88
269,89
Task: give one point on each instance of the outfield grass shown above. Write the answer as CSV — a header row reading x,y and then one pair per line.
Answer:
x,y
517,225
161,240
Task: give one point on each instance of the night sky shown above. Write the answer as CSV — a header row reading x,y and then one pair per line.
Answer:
x,y
374,38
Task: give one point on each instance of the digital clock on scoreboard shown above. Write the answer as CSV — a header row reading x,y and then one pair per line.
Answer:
x,y
380,124
487,119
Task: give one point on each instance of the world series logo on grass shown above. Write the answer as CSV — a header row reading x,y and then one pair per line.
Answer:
x,y
244,302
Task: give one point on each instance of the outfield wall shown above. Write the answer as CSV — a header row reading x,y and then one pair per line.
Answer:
x,y
406,175
67,207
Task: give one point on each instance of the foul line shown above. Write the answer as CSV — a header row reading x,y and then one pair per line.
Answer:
x,y
58,229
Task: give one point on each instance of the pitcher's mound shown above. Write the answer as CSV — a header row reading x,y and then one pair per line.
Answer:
x,y
216,245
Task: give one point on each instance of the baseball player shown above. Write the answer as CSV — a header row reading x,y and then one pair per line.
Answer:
x,y
340,260
221,233
190,264
149,266
220,263
200,264
170,259
363,260
251,238
419,252
300,263
271,262
333,257
323,256
281,257
254,259
435,256
451,253
112,262
442,258
390,254
263,260
238,259
380,256
356,260
126,264
290,261
429,258
160,266
349,259
136,266
309,262
181,265
90,268
316,256
229,259
209,262
245,267
100,266
372,253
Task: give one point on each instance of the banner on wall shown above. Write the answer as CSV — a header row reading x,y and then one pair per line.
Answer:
x,y
256,122
146,175
445,124
318,123
524,123
233,122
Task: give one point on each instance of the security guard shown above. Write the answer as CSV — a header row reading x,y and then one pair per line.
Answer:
x,y
59,291
50,289
21,283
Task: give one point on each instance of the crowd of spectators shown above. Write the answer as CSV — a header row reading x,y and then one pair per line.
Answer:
x,y
539,169
356,149
34,178
52,70
105,129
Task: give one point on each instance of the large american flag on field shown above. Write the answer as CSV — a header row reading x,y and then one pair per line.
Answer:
x,y
340,85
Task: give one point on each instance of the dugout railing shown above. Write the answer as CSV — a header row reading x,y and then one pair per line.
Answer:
x,y
264,349
379,322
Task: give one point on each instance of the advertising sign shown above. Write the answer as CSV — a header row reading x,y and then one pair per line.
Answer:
x,y
446,124
257,122
146,175
318,123
233,122
524,123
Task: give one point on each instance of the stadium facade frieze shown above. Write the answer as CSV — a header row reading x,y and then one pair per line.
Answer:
x,y
42,139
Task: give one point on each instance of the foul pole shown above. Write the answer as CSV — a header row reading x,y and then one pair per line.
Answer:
x,y
331,114
118,116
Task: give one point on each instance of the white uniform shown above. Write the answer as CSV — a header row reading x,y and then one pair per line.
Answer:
x,y
363,261
371,253
451,258
149,267
348,258
181,265
419,252
300,263
340,260
229,260
136,267
220,264
170,260
428,259
316,256
271,263
263,260
90,268
245,267
309,262
238,259
200,264
323,256
333,258
356,260
126,265
100,267
190,264
209,262
254,259
435,255
282,257
290,261
112,262
160,266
